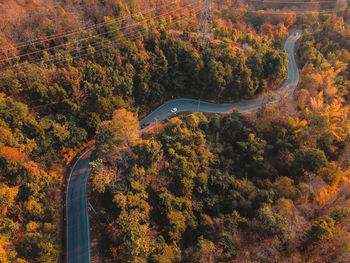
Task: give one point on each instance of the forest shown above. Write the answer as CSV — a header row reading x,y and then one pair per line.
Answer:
x,y
268,186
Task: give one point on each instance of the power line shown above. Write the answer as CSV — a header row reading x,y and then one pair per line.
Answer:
x,y
104,41
65,100
104,33
98,25
52,37
65,34
80,40
277,12
248,11
133,25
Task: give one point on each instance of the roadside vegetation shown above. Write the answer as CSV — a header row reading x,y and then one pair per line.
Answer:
x,y
270,187
206,187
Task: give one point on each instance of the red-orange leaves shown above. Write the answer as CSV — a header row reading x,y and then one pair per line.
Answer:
x,y
12,154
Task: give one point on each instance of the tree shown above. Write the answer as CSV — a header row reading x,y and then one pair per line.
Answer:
x,y
339,213
7,197
270,222
12,155
319,230
177,225
164,253
284,187
308,160
205,251
135,242
148,152
113,135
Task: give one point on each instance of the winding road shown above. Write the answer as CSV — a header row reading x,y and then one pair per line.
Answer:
x,y
190,105
77,218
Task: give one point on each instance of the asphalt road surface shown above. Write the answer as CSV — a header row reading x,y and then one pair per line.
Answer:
x,y
77,218
190,105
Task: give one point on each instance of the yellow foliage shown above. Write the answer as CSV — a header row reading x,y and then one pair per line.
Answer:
x,y
32,226
337,116
327,194
33,207
101,179
126,126
34,171
316,103
296,123
7,197
6,136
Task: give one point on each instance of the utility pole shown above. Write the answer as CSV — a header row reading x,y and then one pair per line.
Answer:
x,y
205,29
199,102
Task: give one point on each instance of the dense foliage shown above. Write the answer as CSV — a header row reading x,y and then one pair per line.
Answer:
x,y
266,188
56,89
205,188
27,192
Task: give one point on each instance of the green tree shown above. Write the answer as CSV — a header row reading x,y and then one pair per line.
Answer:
x,y
319,230
308,160
136,244
148,152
